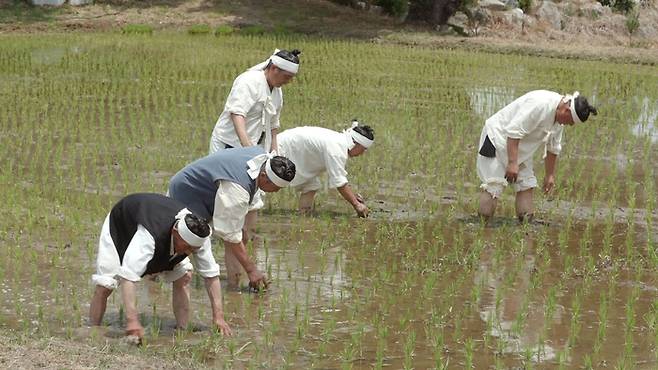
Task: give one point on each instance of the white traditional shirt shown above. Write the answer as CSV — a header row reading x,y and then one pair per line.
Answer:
x,y
231,207
315,150
142,248
250,97
530,118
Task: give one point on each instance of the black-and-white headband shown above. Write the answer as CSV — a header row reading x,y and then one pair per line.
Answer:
x,y
358,138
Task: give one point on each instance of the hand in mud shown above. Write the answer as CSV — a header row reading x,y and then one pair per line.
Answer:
x,y
223,327
361,210
257,280
135,329
512,172
549,184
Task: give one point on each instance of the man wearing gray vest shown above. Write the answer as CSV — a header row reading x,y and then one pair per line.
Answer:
x,y
220,187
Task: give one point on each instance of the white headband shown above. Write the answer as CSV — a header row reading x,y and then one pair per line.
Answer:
x,y
190,238
285,65
367,143
255,165
273,176
572,108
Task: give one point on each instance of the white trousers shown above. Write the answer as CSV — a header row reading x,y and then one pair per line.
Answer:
x,y
108,265
492,173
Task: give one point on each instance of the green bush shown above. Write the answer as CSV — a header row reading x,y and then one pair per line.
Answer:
x,y
396,8
632,22
199,29
252,30
281,30
623,6
137,29
224,30
525,5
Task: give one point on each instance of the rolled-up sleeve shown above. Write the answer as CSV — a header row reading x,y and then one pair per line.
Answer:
x,y
138,254
523,122
241,98
554,144
231,207
275,121
204,261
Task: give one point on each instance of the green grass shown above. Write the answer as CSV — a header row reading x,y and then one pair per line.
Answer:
x,y
137,29
88,118
199,29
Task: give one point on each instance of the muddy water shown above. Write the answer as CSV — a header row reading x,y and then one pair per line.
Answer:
x,y
410,292
420,284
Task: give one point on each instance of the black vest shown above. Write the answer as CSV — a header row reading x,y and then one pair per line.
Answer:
x,y
157,214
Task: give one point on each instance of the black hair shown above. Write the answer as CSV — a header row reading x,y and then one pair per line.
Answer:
x,y
366,131
583,108
291,56
283,167
197,225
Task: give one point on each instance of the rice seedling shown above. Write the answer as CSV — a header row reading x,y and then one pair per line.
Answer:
x,y
95,113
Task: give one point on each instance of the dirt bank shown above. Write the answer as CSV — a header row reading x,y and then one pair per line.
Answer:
x,y
581,34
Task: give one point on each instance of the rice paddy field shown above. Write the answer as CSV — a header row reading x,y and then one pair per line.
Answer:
x,y
88,118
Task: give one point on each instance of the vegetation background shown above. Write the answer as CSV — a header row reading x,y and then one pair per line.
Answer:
x,y
135,70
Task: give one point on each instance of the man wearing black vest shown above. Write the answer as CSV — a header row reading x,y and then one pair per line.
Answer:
x,y
152,234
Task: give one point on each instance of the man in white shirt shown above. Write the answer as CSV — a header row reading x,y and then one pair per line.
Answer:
x,y
147,234
316,150
510,138
253,107
252,112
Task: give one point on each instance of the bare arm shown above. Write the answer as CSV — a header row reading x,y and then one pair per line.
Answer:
x,y
512,170
214,289
275,144
347,193
550,163
240,124
256,278
133,327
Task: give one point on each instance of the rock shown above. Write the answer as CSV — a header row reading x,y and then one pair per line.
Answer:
x,y
549,13
647,31
445,30
593,10
514,16
80,2
492,4
458,19
48,2
512,4
361,5
376,9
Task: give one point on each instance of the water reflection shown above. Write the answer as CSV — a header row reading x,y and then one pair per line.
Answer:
x,y
501,307
49,56
485,101
646,121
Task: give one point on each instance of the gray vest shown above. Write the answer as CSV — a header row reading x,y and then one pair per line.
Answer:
x,y
196,184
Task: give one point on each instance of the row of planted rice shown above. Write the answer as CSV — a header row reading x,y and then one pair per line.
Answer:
x,y
87,119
